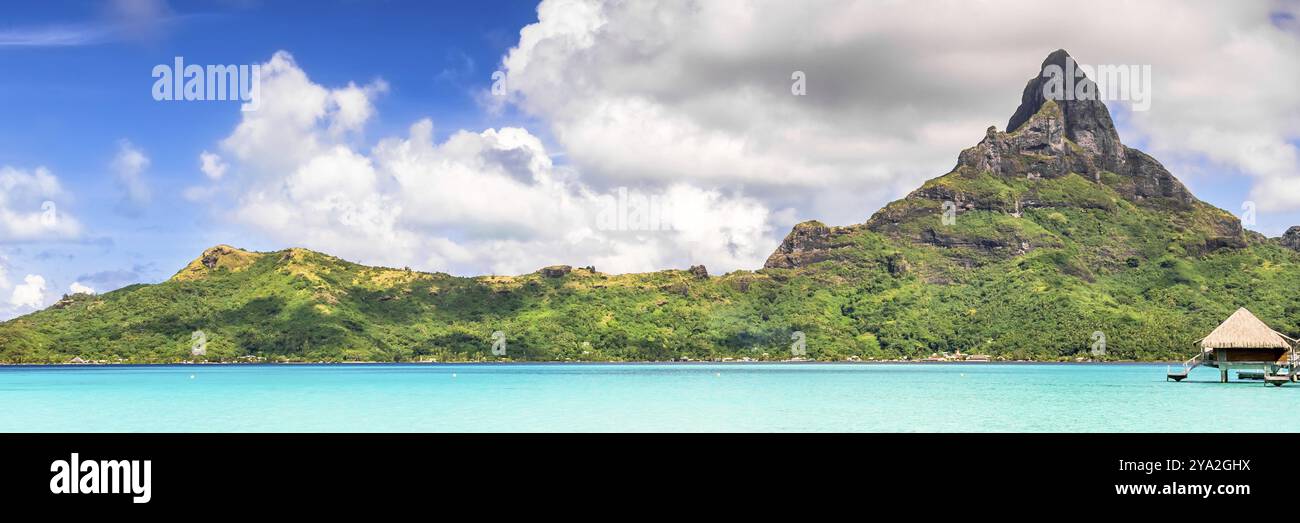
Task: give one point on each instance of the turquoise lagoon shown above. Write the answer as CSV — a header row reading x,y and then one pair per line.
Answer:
x,y
555,397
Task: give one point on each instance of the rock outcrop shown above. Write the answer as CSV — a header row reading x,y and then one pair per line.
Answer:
x,y
1291,239
218,258
556,271
897,265
808,243
1086,122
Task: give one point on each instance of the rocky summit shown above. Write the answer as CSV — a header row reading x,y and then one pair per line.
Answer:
x,y
1055,156
1038,239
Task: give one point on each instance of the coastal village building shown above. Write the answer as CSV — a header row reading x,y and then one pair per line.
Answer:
x,y
1244,342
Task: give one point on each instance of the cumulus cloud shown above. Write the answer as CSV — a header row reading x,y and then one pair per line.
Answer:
x,y
128,166
690,91
29,207
298,120
691,103
78,288
352,106
30,294
211,165
19,299
489,201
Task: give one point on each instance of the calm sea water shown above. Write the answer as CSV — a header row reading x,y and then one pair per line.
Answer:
x,y
636,397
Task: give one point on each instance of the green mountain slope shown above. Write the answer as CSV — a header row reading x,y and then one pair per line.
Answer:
x,y
1055,232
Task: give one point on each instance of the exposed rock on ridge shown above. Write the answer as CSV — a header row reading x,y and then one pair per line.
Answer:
x,y
809,242
1071,142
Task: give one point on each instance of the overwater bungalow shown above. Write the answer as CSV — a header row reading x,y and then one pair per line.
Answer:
x,y
1244,342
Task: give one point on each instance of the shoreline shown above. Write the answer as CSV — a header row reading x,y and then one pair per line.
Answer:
x,y
701,363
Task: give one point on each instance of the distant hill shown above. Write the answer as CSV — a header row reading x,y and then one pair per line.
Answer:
x,y
1055,232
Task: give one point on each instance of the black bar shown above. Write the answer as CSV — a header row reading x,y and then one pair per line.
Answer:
x,y
331,471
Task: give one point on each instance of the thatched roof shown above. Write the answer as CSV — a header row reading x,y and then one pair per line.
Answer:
x,y
1243,330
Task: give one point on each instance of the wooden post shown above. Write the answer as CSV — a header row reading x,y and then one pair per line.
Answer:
x,y
1223,375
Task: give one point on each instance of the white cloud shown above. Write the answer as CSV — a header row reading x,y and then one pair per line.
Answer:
x,y
691,102
298,118
491,201
129,165
212,165
78,288
353,106
30,207
29,294
690,91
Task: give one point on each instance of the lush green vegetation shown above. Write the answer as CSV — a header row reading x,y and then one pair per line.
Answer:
x,y
1123,273
1032,268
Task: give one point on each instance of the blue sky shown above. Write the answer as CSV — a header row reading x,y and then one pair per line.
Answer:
x,y
68,106
383,143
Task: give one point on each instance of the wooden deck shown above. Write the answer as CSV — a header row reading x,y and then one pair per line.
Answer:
x,y
1276,371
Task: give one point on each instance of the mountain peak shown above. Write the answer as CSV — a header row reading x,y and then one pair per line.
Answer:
x,y
1087,120
220,256
1059,164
